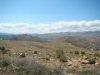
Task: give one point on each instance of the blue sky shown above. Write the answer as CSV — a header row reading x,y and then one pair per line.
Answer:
x,y
47,12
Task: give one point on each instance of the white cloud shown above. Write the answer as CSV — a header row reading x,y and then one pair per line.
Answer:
x,y
61,26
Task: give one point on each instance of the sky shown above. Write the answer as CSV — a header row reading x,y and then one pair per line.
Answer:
x,y
48,16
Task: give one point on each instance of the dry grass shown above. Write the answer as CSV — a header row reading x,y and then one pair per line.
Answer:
x,y
44,59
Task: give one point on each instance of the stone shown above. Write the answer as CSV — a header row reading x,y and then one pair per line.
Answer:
x,y
85,57
69,64
84,61
96,63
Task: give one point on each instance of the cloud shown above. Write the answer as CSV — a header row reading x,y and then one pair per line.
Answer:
x,y
61,26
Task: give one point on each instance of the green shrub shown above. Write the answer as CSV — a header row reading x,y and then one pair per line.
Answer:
x,y
46,58
82,53
59,53
61,56
30,67
35,52
71,52
54,71
87,72
3,50
92,61
22,55
4,63
76,52
97,54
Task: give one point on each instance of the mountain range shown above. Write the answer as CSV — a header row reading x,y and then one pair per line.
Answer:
x,y
89,39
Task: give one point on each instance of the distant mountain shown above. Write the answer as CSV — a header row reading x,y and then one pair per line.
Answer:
x,y
22,37
64,34
5,36
49,35
29,38
85,42
89,39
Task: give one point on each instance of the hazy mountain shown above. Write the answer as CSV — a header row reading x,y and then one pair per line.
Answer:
x,y
23,37
64,34
90,39
80,41
50,35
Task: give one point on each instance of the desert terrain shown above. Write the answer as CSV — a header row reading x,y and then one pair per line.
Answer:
x,y
56,55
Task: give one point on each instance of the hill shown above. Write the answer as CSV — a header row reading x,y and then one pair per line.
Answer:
x,y
89,39
21,37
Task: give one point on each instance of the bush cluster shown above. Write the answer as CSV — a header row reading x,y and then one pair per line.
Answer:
x,y
76,52
92,61
4,63
97,54
82,52
61,55
22,55
3,50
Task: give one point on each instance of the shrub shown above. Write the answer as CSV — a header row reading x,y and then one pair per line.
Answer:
x,y
82,53
76,52
87,72
35,52
59,53
97,54
46,58
61,56
4,63
22,55
90,71
26,66
54,71
30,67
71,52
92,61
3,50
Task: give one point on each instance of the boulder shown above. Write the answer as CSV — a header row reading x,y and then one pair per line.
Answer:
x,y
96,63
69,63
84,61
85,57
